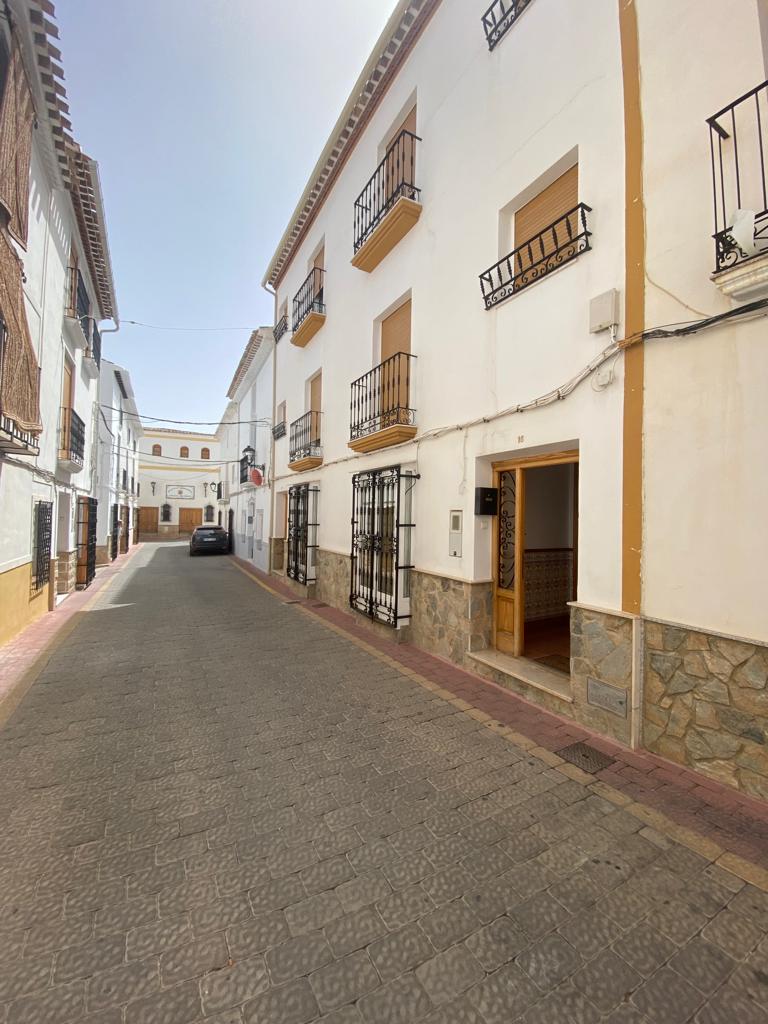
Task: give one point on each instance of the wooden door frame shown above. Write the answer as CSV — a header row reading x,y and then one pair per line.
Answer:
x,y
519,466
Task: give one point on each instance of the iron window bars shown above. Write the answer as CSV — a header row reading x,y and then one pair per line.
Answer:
x,y
114,539
302,533
309,298
305,437
72,444
87,511
165,513
738,150
278,430
380,398
499,19
382,529
280,327
554,247
245,466
393,178
41,559
209,513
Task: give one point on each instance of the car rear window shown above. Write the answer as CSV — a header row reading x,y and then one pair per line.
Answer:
x,y
209,529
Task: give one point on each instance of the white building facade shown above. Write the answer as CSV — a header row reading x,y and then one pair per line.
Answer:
x,y
179,476
117,481
246,451
56,288
478,449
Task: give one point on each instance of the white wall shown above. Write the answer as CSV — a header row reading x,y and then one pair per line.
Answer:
x,y
491,126
705,546
170,469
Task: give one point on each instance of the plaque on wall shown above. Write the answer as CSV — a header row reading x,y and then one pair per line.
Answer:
x,y
179,491
609,698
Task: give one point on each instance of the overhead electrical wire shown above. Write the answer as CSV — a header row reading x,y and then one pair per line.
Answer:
x,y
189,330
263,421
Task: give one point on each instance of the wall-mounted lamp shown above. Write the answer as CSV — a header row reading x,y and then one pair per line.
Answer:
x,y
153,485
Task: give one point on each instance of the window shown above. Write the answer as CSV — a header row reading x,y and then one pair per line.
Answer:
x,y
157,449
302,533
281,413
184,452
125,479
209,513
278,430
381,543
41,545
547,232
205,453
165,513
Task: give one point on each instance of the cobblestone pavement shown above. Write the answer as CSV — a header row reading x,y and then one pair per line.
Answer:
x,y
215,808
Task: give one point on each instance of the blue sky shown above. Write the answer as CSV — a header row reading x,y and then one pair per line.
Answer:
x,y
206,117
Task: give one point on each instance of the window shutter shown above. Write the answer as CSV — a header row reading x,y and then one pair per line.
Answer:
x,y
316,393
396,331
550,204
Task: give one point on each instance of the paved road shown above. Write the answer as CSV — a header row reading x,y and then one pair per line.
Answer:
x,y
215,808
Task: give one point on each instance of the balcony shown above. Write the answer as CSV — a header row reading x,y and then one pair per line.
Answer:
x,y
16,441
92,359
380,408
308,308
499,19
278,430
71,441
557,245
739,155
389,205
280,327
78,309
305,449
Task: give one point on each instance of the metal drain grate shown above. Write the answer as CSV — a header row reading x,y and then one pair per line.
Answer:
x,y
292,600
585,757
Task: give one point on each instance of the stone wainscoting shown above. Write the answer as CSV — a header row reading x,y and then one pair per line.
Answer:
x,y
333,576
66,571
601,671
706,704
103,552
450,617
277,554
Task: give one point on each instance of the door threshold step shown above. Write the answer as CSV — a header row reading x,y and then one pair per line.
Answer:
x,y
525,670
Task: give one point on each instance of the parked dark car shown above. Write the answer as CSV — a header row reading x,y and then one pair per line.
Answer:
x,y
209,538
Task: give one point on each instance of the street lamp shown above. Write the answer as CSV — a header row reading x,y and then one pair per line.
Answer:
x,y
248,454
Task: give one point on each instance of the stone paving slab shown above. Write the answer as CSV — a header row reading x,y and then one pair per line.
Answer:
x,y
215,808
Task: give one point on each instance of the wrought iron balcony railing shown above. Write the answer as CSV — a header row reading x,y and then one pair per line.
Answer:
x,y
280,327
394,177
499,19
739,151
72,442
381,397
305,437
554,247
278,430
309,298
95,347
245,467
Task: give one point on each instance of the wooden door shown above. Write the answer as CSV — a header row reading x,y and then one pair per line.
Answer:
x,y
509,547
125,525
401,156
189,518
148,519
316,393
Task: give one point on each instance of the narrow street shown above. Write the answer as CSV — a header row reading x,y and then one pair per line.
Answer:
x,y
216,808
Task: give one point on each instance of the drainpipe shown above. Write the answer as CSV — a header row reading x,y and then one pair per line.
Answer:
x,y
271,291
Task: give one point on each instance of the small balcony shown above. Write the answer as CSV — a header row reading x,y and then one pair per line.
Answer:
x,y
557,245
380,410
739,150
279,430
281,327
16,441
308,308
78,309
305,448
92,359
71,441
499,19
389,205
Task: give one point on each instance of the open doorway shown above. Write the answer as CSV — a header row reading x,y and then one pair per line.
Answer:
x,y
536,558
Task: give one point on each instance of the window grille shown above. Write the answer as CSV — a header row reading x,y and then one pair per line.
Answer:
x,y
115,537
382,528
302,533
87,510
41,549
209,513
165,513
